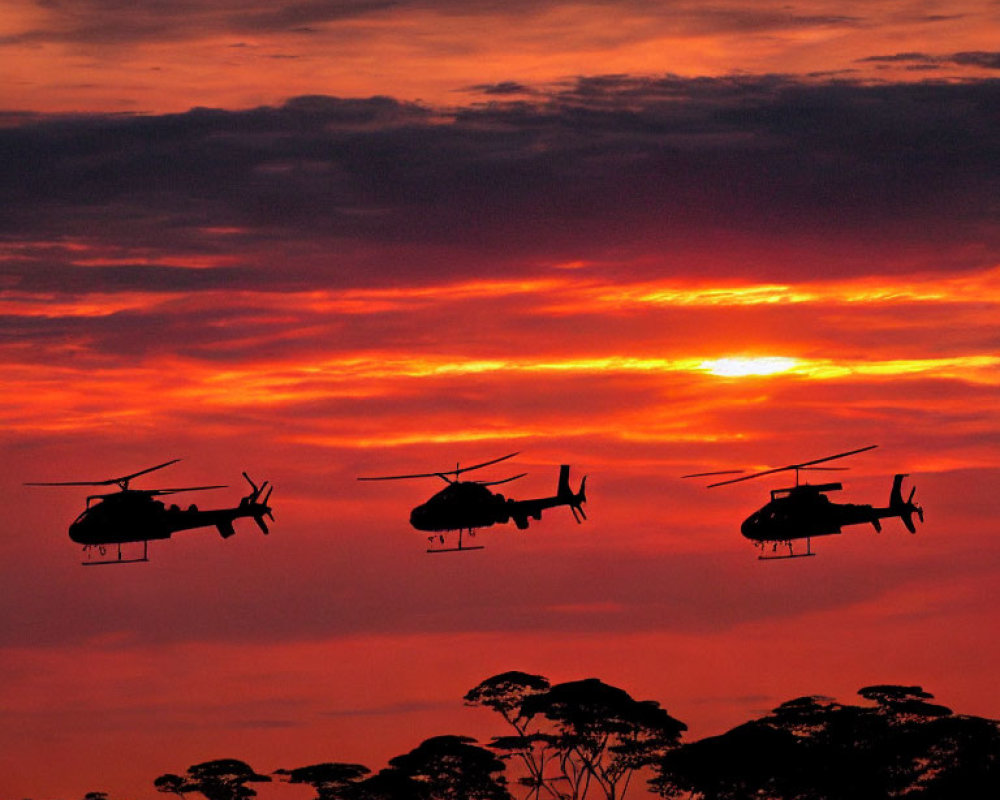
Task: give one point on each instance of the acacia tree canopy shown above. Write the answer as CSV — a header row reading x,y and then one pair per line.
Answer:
x,y
904,700
331,780
222,779
812,747
576,735
583,738
386,784
587,712
505,693
443,768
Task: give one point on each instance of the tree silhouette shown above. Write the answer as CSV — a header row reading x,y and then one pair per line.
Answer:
x,y
440,768
505,693
386,784
576,735
223,779
453,768
585,737
904,701
812,748
331,780
603,735
172,784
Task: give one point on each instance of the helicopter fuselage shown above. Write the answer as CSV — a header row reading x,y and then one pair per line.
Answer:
x,y
465,506
461,505
134,516
468,505
804,511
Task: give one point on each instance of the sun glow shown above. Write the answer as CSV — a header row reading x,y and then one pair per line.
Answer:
x,y
742,367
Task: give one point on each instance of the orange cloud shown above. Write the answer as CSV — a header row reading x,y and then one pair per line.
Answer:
x,y
155,58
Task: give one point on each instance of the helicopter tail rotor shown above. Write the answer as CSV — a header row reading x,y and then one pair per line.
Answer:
x,y
578,500
574,500
919,509
256,504
905,509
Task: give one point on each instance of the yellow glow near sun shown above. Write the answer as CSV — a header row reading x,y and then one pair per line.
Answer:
x,y
743,367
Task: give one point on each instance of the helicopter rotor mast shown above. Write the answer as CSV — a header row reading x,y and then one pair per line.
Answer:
x,y
796,467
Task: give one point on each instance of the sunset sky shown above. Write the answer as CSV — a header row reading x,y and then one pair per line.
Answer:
x,y
333,238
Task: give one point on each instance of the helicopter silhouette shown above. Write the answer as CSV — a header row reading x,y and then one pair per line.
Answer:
x,y
467,505
133,515
803,511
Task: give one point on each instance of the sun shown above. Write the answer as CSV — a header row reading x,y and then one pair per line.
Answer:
x,y
741,367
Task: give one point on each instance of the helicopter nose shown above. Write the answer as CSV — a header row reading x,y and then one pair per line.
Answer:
x,y
77,534
751,526
418,518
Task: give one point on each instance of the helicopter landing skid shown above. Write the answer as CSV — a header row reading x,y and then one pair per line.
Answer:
x,y
461,547
785,558
790,554
102,549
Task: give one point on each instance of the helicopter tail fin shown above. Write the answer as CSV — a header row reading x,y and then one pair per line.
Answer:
x,y
905,509
256,504
565,494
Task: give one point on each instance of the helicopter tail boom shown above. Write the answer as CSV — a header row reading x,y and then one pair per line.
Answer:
x,y
253,505
521,510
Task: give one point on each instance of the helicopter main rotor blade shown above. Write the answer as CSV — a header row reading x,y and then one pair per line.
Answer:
x,y
66,483
442,473
120,481
803,465
180,489
831,458
718,472
484,464
505,480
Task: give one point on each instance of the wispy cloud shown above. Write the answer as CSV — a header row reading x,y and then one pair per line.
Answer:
x,y
983,59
